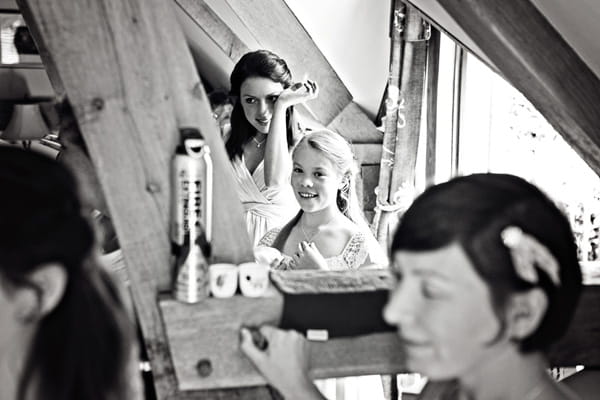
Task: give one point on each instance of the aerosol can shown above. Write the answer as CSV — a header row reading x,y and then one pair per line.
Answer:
x,y
191,219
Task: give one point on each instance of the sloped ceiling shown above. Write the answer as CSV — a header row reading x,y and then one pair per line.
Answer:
x,y
575,20
545,49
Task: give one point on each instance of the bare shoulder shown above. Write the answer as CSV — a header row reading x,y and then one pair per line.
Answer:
x,y
333,239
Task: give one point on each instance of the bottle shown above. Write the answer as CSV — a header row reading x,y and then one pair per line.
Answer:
x,y
191,219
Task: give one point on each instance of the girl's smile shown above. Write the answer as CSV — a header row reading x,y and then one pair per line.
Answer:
x,y
315,179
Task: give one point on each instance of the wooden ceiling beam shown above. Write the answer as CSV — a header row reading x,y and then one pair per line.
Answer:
x,y
532,55
214,27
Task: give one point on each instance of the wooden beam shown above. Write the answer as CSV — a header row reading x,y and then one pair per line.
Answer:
x,y
431,86
367,153
129,76
354,125
533,56
214,27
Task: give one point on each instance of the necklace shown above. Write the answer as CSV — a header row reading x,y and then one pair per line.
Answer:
x,y
259,142
309,238
306,236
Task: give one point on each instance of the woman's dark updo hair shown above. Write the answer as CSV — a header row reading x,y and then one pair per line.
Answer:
x,y
81,347
472,211
262,64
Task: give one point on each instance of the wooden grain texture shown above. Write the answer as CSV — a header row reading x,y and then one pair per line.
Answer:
x,y
370,174
276,28
210,331
214,27
534,58
131,81
310,281
431,87
412,82
367,153
354,125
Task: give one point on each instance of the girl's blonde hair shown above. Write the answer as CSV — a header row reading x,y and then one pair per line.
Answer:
x,y
337,149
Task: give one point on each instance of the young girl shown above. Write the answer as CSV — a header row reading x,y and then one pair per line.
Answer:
x,y
330,232
487,281
262,132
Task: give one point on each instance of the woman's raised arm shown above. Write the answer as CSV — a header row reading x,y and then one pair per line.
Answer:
x,y
278,162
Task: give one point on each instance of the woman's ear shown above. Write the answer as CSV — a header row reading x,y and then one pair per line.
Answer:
x,y
525,313
47,287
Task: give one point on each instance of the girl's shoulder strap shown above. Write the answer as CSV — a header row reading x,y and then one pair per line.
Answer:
x,y
355,252
269,238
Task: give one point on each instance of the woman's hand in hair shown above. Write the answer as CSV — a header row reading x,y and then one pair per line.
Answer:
x,y
299,92
308,256
283,360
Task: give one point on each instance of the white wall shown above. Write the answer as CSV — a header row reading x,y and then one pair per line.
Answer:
x,y
354,37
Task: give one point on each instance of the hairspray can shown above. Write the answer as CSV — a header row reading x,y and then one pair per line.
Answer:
x,y
191,215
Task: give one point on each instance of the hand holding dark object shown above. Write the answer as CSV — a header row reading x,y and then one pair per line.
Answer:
x,y
259,340
284,362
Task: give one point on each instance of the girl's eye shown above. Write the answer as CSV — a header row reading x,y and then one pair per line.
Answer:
x,y
319,174
273,98
297,170
250,100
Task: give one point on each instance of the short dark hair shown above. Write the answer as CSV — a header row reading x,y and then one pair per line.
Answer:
x,y
472,211
263,64
80,348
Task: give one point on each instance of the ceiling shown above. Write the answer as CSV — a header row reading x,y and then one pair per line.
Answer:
x,y
354,38
575,20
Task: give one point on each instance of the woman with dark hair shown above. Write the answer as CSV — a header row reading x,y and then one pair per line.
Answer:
x,y
64,331
487,279
262,133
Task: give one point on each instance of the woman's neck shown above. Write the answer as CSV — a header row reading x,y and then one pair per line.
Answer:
x,y
508,375
12,365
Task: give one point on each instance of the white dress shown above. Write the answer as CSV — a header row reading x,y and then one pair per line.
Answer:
x,y
361,249
265,207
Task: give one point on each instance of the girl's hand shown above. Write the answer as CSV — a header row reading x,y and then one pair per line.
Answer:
x,y
283,361
298,93
309,257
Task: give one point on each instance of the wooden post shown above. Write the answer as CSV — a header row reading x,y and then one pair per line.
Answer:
x,y
431,86
391,120
403,125
128,74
